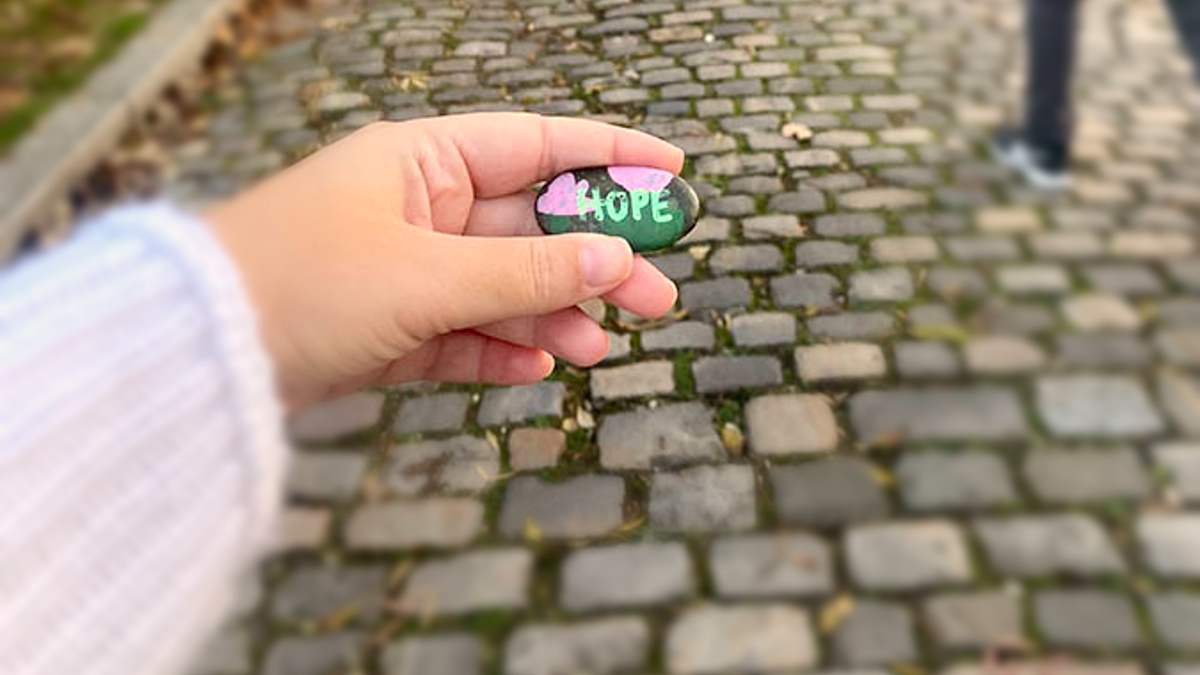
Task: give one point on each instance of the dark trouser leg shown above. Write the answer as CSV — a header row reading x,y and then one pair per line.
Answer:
x,y
1051,29
1187,21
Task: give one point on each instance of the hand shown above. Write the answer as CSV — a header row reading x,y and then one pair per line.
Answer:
x,y
410,252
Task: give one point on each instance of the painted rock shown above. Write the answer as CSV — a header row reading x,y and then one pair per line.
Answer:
x,y
649,208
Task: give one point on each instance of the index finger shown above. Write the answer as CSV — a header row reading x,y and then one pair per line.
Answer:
x,y
506,152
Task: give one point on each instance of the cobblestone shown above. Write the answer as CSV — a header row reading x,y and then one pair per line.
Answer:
x,y
313,593
1032,546
961,621
1086,618
669,436
1096,406
1080,477
734,373
827,493
875,634
763,329
752,639
469,582
771,566
326,475
585,506
436,523
613,645
521,404
633,575
843,361
535,448
703,499
444,654
634,380
907,556
441,412
1176,617
1170,545
942,481
455,465
984,413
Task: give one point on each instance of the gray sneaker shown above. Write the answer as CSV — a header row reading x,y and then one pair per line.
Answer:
x,y
1045,168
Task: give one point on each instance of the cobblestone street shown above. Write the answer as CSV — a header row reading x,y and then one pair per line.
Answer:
x,y
910,415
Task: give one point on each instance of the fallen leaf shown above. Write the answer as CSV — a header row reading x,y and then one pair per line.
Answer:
x,y
888,440
797,131
632,525
569,424
733,439
835,612
883,477
492,439
533,533
586,419
400,572
699,253
338,619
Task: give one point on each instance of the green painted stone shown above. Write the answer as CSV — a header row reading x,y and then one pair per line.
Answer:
x,y
649,208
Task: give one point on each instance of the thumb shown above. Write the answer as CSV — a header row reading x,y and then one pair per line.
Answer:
x,y
487,279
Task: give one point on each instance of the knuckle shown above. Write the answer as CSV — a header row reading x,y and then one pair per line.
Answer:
x,y
541,265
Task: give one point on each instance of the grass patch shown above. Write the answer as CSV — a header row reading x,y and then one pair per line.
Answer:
x,y
49,47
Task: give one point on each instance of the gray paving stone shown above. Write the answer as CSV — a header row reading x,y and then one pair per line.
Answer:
x,y
808,159
773,226
301,528
852,326
800,201
703,499
326,475
961,481
1180,397
790,424
840,361
1003,355
436,523
805,290
825,254
1176,618
882,198
771,566
975,620
763,329
455,465
342,416
891,284
907,556
979,413
904,250
1086,618
1179,346
745,639
1081,477
469,582
715,294
441,654
735,373
755,258
827,493
1096,406
681,335
1170,544
850,225
677,266
603,646
926,360
620,345
1100,312
1033,546
630,575
521,404
875,634
440,412
314,593
648,378
980,249
584,506
663,437
1127,279
955,283
535,448
314,654
1181,460
1103,351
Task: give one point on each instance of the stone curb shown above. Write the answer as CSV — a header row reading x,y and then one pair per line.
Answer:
x,y
80,130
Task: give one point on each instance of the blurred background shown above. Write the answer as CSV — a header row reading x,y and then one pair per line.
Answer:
x,y
912,414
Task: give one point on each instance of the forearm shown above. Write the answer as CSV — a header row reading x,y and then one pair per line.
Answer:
x,y
140,447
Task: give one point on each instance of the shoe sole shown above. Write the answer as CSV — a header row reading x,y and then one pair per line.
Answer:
x,y
1017,159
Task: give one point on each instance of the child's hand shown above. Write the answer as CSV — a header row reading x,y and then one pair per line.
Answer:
x,y
410,252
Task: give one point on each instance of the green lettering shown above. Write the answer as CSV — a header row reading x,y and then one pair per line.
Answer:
x,y
617,205
658,205
593,205
640,199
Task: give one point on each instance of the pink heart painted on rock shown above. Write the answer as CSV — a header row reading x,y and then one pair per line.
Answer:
x,y
561,196
640,178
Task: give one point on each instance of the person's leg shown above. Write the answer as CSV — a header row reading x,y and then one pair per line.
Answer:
x,y
1040,148
1051,28
1187,23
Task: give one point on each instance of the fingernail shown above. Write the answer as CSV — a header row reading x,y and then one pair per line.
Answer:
x,y
605,261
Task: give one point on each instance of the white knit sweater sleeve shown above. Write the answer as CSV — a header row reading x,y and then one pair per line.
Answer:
x,y
141,447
